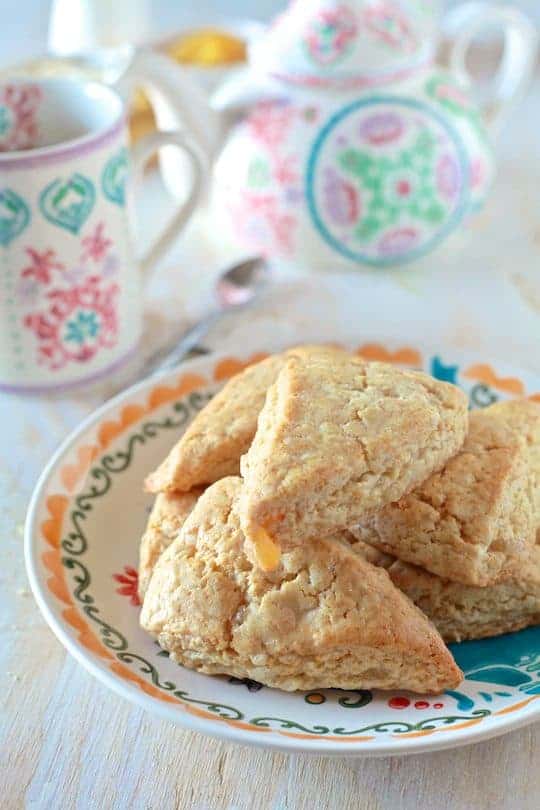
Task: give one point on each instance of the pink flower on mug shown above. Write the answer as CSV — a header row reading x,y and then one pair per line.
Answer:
x,y
78,323
28,290
110,265
96,244
41,265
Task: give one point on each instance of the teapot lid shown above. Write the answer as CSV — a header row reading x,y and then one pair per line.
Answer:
x,y
347,43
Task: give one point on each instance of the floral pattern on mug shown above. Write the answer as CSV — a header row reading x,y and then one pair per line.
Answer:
x,y
78,323
80,319
18,116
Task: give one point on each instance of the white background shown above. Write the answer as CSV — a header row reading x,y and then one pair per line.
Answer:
x,y
23,26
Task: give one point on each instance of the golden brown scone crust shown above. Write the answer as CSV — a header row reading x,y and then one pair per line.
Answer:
x,y
523,416
324,618
211,447
338,438
164,523
461,612
474,521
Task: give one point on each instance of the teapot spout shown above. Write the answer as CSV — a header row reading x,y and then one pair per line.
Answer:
x,y
243,89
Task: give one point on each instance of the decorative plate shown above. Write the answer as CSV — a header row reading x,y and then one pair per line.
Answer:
x,y
82,536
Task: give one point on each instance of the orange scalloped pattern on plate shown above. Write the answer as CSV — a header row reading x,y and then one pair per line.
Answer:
x,y
483,372
160,395
516,706
428,732
70,474
52,527
127,675
230,366
85,634
56,583
376,351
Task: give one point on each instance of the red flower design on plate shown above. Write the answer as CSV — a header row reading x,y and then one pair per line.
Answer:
x,y
41,265
96,244
129,582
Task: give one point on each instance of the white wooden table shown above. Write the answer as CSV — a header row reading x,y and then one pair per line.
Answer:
x,y
65,741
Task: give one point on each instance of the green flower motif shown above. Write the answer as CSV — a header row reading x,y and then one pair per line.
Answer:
x,y
405,184
258,173
85,326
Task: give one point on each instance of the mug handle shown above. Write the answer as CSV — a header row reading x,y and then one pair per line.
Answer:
x,y
140,154
516,66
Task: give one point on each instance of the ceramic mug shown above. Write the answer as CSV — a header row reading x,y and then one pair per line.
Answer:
x,y
70,285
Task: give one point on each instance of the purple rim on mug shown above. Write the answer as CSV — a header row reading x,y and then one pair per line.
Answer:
x,y
29,390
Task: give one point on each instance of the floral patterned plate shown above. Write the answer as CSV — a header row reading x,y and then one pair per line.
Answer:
x,y
84,524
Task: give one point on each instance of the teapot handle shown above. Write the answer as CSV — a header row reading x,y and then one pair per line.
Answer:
x,y
516,65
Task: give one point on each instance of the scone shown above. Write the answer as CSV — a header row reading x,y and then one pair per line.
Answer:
x,y
475,521
324,618
212,445
461,612
165,521
523,416
337,439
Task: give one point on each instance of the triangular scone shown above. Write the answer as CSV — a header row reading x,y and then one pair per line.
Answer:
x,y
337,439
324,618
462,612
523,416
211,447
474,521
164,523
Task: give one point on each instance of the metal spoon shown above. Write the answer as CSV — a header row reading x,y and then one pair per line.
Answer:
x,y
235,288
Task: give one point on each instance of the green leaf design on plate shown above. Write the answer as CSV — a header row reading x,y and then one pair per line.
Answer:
x,y
68,203
14,216
114,177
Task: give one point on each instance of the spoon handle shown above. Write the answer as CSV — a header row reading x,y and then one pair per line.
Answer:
x,y
162,360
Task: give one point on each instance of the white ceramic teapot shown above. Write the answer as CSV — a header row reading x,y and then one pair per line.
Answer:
x,y
349,145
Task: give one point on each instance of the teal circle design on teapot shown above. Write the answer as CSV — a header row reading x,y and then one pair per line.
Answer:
x,y
387,180
14,216
114,176
68,202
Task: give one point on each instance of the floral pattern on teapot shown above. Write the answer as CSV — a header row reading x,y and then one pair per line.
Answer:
x,y
378,179
355,148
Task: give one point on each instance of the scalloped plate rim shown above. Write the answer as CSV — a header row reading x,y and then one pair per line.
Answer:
x,y
219,729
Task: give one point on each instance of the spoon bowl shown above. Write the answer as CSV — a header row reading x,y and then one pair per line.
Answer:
x,y
235,288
